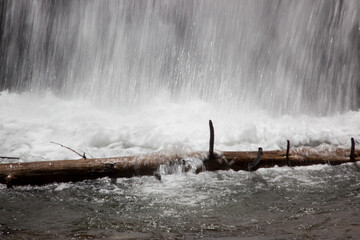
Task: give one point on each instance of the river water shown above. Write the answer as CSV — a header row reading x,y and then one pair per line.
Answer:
x,y
121,78
317,202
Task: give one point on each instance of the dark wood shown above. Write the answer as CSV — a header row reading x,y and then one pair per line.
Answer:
x,y
212,140
288,152
253,164
352,151
8,157
44,172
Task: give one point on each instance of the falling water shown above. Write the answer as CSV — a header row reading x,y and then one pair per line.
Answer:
x,y
281,56
118,78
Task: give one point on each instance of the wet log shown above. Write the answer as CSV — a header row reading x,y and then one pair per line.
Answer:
x,y
44,172
303,156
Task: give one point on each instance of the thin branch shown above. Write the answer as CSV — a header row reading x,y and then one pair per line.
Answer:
x,y
2,158
10,157
83,156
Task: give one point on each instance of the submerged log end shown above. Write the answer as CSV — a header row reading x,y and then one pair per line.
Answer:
x,y
157,176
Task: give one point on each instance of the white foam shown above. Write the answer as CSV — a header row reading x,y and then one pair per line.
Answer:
x,y
62,186
29,121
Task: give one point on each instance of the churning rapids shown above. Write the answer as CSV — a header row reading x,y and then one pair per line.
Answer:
x,y
120,78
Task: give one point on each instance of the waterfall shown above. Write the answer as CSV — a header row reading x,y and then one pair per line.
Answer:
x,y
286,57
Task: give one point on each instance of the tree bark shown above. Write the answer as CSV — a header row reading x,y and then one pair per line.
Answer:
x,y
44,172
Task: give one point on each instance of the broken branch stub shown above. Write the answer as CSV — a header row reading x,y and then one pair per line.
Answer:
x,y
211,143
254,163
287,152
352,151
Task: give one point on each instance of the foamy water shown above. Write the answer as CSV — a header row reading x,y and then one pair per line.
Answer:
x,y
313,202
30,121
318,202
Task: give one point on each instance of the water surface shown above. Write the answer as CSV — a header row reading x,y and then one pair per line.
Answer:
x,y
317,202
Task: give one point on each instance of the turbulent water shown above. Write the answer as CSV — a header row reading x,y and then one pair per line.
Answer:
x,y
32,121
319,202
117,78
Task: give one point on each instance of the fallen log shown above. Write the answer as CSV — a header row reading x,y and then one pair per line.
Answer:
x,y
44,172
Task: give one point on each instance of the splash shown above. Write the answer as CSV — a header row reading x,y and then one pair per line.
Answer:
x,y
33,120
